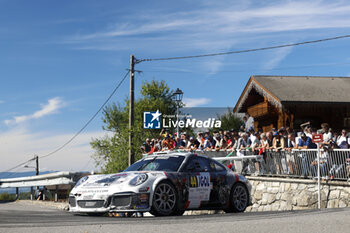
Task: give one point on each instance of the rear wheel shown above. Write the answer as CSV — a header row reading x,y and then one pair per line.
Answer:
x,y
164,200
239,198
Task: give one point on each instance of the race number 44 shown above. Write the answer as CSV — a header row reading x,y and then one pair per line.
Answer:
x,y
201,180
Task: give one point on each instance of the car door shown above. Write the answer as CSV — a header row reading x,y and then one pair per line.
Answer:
x,y
220,189
198,182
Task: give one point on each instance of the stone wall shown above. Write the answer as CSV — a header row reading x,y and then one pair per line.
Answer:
x,y
278,194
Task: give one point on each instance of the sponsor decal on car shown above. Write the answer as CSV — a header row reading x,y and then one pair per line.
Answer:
x,y
199,189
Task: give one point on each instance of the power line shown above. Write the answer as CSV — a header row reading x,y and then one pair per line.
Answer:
x,y
252,70
245,51
89,121
81,130
19,165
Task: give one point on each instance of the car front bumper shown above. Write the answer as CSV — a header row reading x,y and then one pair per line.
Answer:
x,y
118,202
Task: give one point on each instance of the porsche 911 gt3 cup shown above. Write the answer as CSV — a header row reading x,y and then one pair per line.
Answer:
x,y
163,184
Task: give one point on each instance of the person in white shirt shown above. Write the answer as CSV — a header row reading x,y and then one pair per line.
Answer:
x,y
249,124
343,141
327,135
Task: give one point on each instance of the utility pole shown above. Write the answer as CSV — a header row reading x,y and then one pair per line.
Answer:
x,y
36,165
36,173
131,108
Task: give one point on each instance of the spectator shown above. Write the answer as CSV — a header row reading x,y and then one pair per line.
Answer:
x,y
269,137
306,128
168,144
193,144
244,142
158,144
343,141
243,126
305,142
324,157
255,147
184,139
264,144
209,143
255,141
327,135
154,148
229,141
179,143
40,195
223,143
221,133
291,144
234,143
165,133
148,145
278,142
201,140
249,124
217,139
308,131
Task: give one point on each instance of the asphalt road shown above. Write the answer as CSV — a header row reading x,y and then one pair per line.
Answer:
x,y
21,217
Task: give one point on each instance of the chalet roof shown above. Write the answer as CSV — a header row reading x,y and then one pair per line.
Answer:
x,y
305,88
286,89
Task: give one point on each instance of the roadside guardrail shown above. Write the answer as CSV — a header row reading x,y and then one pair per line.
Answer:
x,y
53,181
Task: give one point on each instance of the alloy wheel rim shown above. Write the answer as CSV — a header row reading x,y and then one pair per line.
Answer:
x,y
164,197
240,198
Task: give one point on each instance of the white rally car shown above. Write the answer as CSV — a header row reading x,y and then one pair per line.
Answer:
x,y
163,184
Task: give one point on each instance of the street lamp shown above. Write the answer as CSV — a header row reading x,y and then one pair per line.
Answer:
x,y
36,158
178,98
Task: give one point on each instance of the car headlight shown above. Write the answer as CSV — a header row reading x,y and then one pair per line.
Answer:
x,y
82,180
139,179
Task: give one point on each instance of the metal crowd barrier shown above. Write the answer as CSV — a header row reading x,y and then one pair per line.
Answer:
x,y
334,163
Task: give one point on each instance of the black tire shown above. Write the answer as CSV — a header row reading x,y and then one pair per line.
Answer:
x,y
239,198
165,200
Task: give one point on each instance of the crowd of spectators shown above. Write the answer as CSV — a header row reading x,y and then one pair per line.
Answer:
x,y
250,139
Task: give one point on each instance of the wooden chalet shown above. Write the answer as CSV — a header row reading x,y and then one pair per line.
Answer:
x,y
276,101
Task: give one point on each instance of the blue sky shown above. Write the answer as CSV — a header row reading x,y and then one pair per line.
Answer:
x,y
61,59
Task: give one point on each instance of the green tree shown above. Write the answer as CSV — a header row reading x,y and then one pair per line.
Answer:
x,y
111,151
229,121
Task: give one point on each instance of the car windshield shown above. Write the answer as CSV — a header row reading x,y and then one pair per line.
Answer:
x,y
159,163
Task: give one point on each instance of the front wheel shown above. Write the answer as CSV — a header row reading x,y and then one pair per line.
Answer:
x,y
164,199
239,198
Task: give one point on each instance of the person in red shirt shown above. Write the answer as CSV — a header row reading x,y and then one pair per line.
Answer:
x,y
168,144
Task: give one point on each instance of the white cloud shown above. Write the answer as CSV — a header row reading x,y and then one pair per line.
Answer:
x,y
19,145
220,27
50,108
195,102
232,19
2,101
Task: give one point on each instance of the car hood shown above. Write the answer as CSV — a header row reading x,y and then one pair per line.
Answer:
x,y
108,180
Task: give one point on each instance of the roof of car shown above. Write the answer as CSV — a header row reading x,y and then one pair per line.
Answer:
x,y
174,153
169,153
